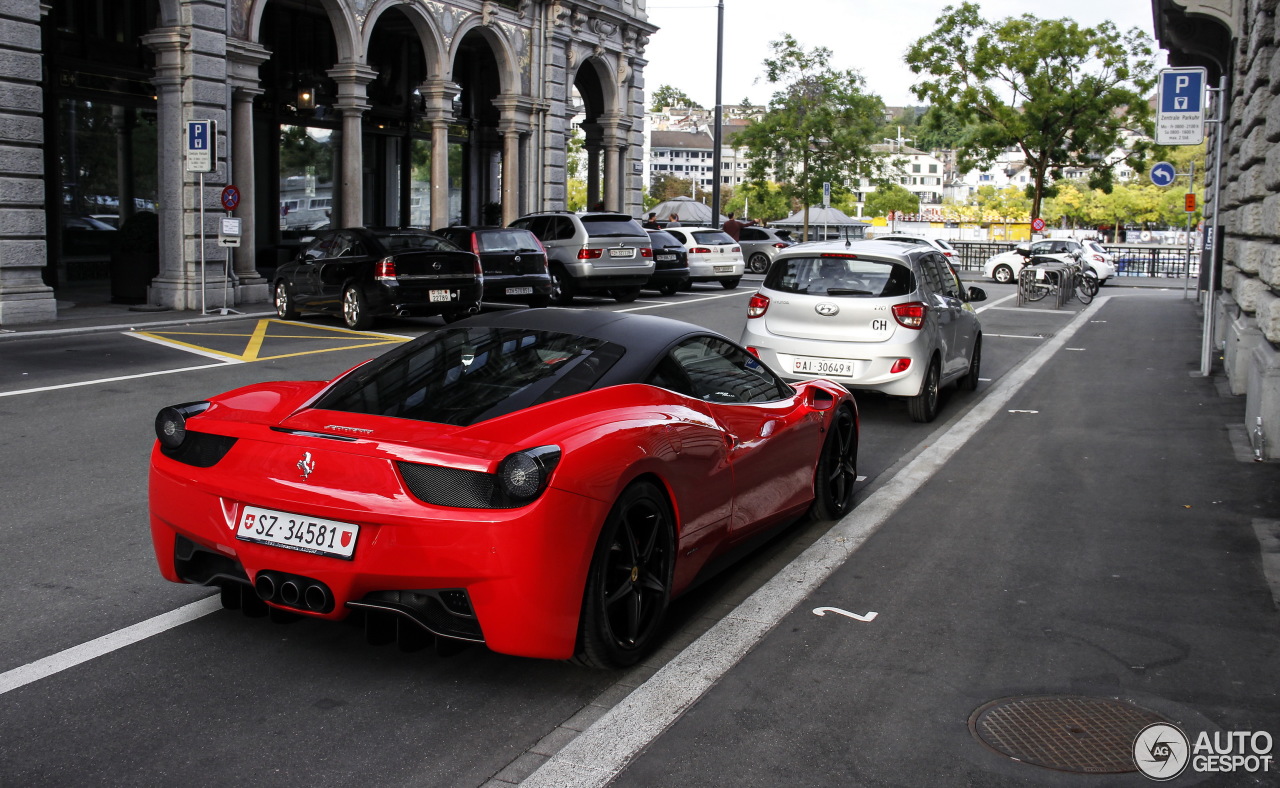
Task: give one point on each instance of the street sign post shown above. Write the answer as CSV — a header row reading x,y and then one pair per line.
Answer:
x,y
1180,106
230,197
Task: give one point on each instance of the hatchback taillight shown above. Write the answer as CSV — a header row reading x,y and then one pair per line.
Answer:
x,y
1098,257
779,246
385,270
911,314
700,250
646,252
736,249
758,305
589,254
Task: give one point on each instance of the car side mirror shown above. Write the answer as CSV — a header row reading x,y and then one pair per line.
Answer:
x,y
977,294
819,399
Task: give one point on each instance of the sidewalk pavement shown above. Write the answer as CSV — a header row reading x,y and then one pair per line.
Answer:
x,y
1103,543
97,314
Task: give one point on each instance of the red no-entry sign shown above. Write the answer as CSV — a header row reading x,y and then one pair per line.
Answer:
x,y
230,197
1037,224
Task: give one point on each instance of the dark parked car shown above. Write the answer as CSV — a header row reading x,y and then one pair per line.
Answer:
x,y
671,263
514,262
362,273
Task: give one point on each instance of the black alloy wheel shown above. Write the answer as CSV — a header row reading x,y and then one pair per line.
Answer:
x,y
629,583
758,263
970,380
837,469
561,286
924,406
284,304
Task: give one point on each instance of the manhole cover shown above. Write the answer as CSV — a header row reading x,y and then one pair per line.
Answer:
x,y
1063,732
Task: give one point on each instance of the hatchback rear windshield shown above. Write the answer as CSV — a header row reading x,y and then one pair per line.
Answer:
x,y
840,276
463,376
663,238
613,227
399,240
507,241
712,237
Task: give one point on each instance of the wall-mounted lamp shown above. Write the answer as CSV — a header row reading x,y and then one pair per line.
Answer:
x,y
306,98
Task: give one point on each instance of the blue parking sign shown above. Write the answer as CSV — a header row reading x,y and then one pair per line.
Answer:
x,y
1180,106
202,138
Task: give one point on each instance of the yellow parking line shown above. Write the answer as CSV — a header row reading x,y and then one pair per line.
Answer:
x,y
261,334
255,341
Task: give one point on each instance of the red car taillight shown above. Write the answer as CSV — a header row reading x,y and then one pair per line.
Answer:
x,y
910,315
1098,257
475,245
901,365
758,305
385,270
753,351
700,250
736,249
779,246
646,252
589,254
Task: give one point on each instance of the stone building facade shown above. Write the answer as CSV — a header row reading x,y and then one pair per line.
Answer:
x,y
327,113
1237,39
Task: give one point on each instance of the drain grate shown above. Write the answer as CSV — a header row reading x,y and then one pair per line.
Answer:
x,y
1063,732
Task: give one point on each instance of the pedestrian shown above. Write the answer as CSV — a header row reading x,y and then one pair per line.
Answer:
x,y
652,224
673,221
734,227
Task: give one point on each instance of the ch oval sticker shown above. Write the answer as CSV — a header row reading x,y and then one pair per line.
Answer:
x,y
827,309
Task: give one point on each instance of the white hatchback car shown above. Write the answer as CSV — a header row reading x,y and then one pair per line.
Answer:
x,y
1004,267
878,315
713,255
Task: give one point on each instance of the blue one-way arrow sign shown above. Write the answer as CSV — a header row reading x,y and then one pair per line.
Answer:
x,y
1180,106
1163,173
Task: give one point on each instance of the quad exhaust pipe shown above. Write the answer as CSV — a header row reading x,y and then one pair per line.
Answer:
x,y
294,591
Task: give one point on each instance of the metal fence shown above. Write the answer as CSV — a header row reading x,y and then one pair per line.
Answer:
x,y
1129,259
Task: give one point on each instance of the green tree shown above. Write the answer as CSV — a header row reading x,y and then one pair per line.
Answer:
x,y
818,127
763,201
665,186
667,96
1060,93
890,197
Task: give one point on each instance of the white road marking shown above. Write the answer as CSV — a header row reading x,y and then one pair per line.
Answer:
x,y
685,303
56,663
1013,336
1024,411
116,379
188,348
602,751
1065,312
822,611
994,304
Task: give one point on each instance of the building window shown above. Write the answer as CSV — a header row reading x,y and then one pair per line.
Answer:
x,y
933,168
915,168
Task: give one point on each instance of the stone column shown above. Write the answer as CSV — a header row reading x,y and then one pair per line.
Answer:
x,y
243,60
593,145
24,297
176,285
615,153
516,112
437,96
352,79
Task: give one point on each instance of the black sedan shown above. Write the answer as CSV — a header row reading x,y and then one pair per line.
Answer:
x,y
367,272
514,262
670,262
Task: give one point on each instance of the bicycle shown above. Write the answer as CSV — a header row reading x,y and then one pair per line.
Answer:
x,y
1043,276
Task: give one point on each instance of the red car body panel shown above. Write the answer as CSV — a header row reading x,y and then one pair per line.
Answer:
x,y
729,471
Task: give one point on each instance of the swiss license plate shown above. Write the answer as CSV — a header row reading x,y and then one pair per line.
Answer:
x,y
519,291
438,296
664,258
823,366
296,532
622,252
724,269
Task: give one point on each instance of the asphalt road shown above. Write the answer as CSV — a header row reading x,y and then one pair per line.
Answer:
x,y
222,699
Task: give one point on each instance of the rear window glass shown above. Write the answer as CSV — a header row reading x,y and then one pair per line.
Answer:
x,y
840,276
712,237
507,241
463,376
399,241
613,227
662,238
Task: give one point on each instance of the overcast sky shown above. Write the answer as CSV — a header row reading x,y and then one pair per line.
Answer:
x,y
870,36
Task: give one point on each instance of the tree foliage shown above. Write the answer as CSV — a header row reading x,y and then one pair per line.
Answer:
x,y
764,201
818,128
665,186
667,96
1061,93
890,197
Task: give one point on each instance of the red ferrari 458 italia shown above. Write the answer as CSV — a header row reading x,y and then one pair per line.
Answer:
x,y
543,482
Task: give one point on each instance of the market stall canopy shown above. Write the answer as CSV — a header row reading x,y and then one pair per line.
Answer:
x,y
829,222
690,212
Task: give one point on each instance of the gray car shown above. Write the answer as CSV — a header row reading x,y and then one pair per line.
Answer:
x,y
592,253
759,246
878,315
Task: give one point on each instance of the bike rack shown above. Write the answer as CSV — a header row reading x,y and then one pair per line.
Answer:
x,y
1064,273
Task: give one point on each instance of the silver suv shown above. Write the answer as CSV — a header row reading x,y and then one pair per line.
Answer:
x,y
759,246
878,315
603,253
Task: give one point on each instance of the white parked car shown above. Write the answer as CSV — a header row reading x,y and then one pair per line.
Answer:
x,y
1097,254
1005,266
868,315
713,255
